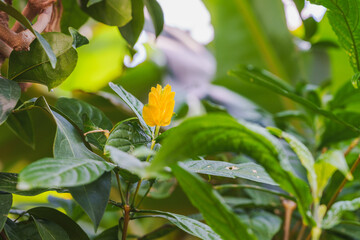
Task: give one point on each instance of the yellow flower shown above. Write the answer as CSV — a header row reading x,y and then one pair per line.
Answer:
x,y
159,110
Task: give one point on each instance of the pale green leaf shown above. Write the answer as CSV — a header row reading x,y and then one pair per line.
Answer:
x,y
9,95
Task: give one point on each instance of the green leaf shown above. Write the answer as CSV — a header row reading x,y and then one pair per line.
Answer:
x,y
21,124
213,208
303,153
130,167
78,39
109,234
156,14
216,133
326,165
33,65
21,231
187,224
72,16
25,22
10,93
5,205
127,136
133,103
265,225
333,216
91,2
347,228
249,171
50,231
76,110
110,12
66,223
132,30
57,173
9,181
257,77
344,17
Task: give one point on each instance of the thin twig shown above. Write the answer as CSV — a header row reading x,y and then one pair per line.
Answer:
x,y
119,187
289,207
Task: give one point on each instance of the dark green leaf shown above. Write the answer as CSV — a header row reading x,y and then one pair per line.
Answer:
x,y
25,22
50,231
333,216
61,172
218,133
72,16
250,171
76,110
72,229
78,39
311,26
5,205
215,212
134,104
257,77
110,12
347,228
34,66
156,14
9,181
109,234
10,93
189,225
21,231
344,17
91,2
127,136
21,124
131,31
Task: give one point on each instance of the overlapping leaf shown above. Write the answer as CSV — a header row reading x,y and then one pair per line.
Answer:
x,y
9,95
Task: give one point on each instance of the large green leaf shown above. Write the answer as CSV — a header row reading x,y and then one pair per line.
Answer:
x,y
110,12
79,112
66,223
112,233
333,216
25,22
156,14
344,17
21,230
5,205
131,31
50,231
213,208
220,133
72,16
34,66
187,224
262,78
57,173
127,136
9,181
250,171
10,93
134,104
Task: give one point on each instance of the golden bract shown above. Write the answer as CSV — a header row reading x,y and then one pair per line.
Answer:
x,y
159,110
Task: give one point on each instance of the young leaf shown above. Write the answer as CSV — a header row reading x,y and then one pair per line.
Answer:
x,y
110,12
131,31
218,133
10,93
215,212
134,104
249,171
344,17
57,173
156,14
72,229
333,216
5,205
50,231
78,39
33,65
187,224
25,22
127,136
76,110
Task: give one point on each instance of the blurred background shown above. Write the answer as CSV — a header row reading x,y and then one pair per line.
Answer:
x,y
201,42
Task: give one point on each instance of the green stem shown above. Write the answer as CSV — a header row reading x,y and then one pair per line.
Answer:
x,y
119,187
